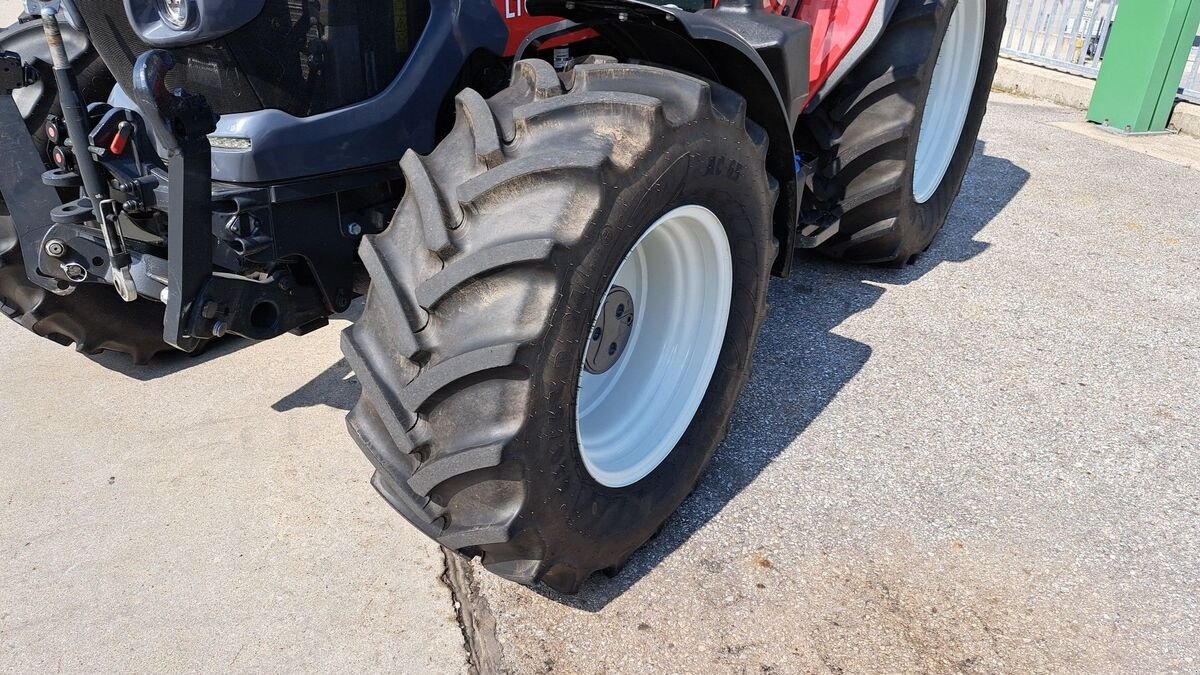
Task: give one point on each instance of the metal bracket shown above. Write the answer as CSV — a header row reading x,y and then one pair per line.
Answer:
x,y
14,73
29,201
182,122
118,255
540,36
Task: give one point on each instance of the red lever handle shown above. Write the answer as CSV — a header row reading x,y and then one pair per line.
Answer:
x,y
121,139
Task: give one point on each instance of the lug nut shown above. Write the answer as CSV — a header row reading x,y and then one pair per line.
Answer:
x,y
55,248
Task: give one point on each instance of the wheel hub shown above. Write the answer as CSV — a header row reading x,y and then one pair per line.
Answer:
x,y
611,333
653,346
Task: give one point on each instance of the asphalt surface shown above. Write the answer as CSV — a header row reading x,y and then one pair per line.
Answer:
x,y
986,462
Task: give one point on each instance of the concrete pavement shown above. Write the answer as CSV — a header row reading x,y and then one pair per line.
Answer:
x,y
10,9
1075,91
204,514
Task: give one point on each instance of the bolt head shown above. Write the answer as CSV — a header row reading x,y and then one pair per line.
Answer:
x,y
75,272
219,329
354,229
237,226
55,248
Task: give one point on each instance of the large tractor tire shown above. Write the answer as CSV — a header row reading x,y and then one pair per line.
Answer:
x,y
898,133
562,314
93,318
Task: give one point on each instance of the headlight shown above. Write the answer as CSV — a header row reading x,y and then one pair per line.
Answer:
x,y
174,13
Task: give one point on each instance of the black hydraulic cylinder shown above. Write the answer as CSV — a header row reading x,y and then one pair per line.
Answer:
x,y
74,112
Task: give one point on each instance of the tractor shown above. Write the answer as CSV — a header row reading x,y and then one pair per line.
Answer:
x,y
563,216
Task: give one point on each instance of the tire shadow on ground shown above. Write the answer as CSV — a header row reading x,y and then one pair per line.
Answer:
x,y
801,365
168,363
336,387
172,362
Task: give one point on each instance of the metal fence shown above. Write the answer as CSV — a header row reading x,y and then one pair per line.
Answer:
x,y
1190,88
1071,36
1067,35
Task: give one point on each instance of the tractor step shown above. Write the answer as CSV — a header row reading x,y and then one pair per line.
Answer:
x,y
815,228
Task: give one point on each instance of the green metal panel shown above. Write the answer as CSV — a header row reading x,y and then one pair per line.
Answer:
x,y
1144,64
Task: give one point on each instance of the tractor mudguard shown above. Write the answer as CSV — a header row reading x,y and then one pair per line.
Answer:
x,y
762,56
843,34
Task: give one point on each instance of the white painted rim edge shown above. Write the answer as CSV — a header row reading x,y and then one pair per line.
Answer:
x,y
680,275
949,101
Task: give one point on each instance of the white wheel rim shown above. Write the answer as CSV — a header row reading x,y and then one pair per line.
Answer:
x,y
679,275
949,100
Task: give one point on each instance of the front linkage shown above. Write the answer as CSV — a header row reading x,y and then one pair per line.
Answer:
x,y
224,259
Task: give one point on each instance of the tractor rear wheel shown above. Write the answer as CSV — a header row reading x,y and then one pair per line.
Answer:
x,y
898,133
562,314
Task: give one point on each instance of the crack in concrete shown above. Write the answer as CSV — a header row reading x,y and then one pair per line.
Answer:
x,y
474,616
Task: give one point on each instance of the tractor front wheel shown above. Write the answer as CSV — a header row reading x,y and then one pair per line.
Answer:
x,y
562,314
